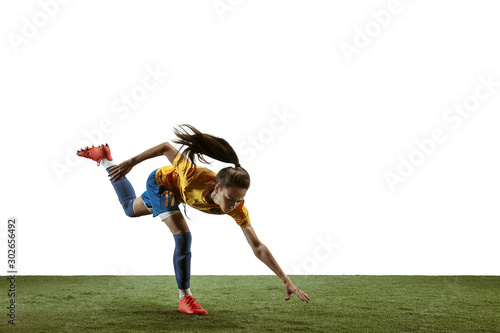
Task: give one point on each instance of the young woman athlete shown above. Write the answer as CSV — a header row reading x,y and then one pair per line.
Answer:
x,y
200,188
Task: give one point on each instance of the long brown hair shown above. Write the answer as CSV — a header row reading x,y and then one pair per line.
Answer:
x,y
200,145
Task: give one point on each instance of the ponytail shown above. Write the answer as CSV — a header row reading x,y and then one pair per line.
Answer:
x,y
200,145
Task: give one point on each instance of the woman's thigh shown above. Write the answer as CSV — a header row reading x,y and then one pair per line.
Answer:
x,y
176,223
140,208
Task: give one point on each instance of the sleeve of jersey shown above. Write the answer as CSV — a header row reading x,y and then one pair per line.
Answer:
x,y
240,215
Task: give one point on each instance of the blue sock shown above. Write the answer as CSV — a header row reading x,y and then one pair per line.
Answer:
x,y
182,260
126,194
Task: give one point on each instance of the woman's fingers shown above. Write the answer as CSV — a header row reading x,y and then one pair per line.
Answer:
x,y
303,296
119,171
113,178
115,173
299,293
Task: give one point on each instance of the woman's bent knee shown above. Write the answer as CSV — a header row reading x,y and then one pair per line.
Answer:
x,y
139,208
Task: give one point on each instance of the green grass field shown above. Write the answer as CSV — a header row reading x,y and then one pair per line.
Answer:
x,y
254,304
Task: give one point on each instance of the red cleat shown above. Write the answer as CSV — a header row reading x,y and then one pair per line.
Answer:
x,y
190,305
96,153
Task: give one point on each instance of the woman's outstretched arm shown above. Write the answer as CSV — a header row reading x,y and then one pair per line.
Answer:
x,y
263,253
119,171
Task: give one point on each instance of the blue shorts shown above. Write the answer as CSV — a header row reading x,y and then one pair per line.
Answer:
x,y
159,198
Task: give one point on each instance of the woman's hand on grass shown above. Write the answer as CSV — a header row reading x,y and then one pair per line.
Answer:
x,y
291,289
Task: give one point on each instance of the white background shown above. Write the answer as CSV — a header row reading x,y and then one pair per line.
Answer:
x,y
319,197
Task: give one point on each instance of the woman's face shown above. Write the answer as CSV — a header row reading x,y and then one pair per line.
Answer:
x,y
228,198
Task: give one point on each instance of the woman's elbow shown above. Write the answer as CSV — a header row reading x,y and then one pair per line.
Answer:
x,y
258,249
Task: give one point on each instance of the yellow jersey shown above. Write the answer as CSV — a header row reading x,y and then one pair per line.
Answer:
x,y
191,185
